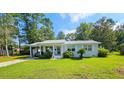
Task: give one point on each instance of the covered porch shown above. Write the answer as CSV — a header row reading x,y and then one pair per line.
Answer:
x,y
56,49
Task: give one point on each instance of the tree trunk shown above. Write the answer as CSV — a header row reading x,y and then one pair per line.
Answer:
x,y
2,50
19,45
7,51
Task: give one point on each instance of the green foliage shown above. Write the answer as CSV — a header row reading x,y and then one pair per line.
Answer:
x,y
7,30
103,32
46,55
25,50
102,52
36,27
61,35
120,34
81,52
68,54
70,37
122,49
83,32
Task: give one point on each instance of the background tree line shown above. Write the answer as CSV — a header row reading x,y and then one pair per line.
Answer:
x,y
28,28
25,27
102,30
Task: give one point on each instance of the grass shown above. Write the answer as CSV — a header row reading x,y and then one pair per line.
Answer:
x,y
93,68
5,58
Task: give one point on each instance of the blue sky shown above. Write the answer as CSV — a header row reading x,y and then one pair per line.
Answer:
x,y
68,22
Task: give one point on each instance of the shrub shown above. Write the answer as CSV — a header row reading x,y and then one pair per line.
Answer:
x,y
102,52
42,57
37,54
122,49
25,50
46,55
68,54
81,52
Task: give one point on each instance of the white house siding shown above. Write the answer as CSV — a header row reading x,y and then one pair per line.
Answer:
x,y
94,51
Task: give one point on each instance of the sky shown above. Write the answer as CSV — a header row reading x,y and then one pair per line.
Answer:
x,y
68,22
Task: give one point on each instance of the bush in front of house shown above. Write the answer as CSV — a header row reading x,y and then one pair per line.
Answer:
x,y
25,50
37,54
102,52
122,49
68,54
81,52
46,55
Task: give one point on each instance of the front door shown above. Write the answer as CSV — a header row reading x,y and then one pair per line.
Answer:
x,y
57,50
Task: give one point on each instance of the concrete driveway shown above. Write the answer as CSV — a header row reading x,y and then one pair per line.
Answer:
x,y
3,64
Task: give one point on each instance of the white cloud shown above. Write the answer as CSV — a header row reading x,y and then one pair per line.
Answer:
x,y
116,25
66,31
75,17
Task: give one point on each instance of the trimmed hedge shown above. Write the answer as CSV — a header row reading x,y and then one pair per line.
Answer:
x,y
102,52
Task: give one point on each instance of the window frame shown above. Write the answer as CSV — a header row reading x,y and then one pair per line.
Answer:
x,y
88,47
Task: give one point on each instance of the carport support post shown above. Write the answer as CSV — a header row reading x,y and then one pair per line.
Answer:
x,y
30,51
44,50
61,50
53,52
40,50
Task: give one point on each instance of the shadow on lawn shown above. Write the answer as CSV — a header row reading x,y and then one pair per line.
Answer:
x,y
21,57
119,55
77,58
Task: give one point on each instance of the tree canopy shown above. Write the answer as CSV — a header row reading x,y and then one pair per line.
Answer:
x,y
83,32
61,35
103,32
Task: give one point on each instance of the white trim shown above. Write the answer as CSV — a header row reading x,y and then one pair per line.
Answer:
x,y
30,51
53,52
40,50
44,49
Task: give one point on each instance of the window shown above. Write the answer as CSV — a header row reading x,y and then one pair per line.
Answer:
x,y
85,47
88,47
73,49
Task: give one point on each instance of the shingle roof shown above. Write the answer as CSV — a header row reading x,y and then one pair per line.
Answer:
x,y
65,42
54,41
81,42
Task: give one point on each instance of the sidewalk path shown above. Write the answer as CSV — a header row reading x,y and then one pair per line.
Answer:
x,y
3,64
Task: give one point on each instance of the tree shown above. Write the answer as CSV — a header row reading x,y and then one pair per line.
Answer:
x,y
70,37
36,27
7,29
18,25
61,35
83,32
81,52
103,32
122,49
120,34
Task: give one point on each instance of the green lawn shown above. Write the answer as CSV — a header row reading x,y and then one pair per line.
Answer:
x,y
5,58
108,68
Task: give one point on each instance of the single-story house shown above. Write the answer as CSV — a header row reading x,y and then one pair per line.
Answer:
x,y
58,47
